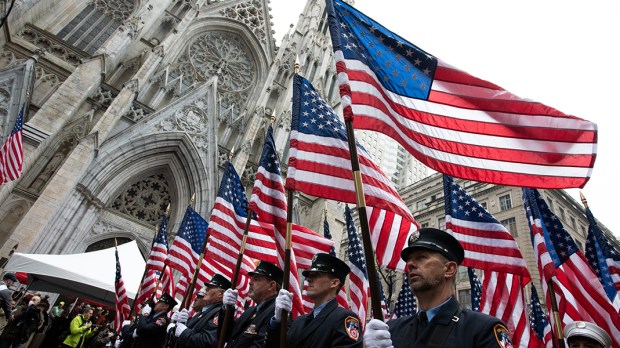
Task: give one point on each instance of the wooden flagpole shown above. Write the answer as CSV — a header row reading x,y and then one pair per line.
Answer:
x,y
559,335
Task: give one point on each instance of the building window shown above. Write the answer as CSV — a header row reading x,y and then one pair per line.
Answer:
x,y
484,205
424,224
550,204
505,202
573,224
562,214
584,231
465,298
442,223
511,226
420,205
90,29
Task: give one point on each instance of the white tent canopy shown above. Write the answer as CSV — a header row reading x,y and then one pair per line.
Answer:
x,y
88,275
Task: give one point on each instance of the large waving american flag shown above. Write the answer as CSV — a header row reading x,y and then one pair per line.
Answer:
x,y
187,247
406,303
487,243
320,165
268,202
12,152
122,301
563,264
453,122
604,260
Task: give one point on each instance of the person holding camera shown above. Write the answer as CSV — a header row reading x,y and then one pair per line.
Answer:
x,y
80,329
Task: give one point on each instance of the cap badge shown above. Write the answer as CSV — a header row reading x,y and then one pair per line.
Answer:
x,y
414,237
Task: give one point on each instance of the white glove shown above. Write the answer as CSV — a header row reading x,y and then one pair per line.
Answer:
x,y
126,322
179,330
117,344
170,326
284,302
183,316
377,335
135,333
230,297
146,310
174,317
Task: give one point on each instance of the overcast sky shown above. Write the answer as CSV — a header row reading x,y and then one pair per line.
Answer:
x,y
561,53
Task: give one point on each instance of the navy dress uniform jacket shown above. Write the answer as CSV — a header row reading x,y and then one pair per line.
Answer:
x,y
473,329
202,328
151,331
334,326
250,330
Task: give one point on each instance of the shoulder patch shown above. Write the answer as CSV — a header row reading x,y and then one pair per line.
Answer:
x,y
216,319
161,321
502,335
352,327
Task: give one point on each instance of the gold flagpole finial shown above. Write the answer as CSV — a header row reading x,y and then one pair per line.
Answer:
x,y
193,199
584,201
273,117
297,65
115,243
168,210
231,154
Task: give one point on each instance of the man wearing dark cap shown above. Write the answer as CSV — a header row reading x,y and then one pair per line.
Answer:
x,y
8,279
201,329
250,330
432,258
149,331
582,334
328,325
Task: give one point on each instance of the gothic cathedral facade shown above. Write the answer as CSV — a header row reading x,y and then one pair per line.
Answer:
x,y
133,105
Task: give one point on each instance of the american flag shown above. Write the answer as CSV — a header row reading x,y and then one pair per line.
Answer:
x,y
358,278
268,202
490,247
476,289
406,303
501,295
541,330
487,243
12,152
320,165
604,260
167,283
154,264
187,247
213,267
563,264
453,122
159,247
122,301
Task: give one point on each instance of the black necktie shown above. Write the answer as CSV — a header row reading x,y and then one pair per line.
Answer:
x,y
422,322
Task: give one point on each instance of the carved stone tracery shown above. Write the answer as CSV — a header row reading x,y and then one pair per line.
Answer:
x,y
145,200
251,14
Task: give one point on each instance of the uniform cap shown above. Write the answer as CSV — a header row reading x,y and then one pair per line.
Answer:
x,y
589,330
165,298
437,240
270,270
328,264
10,276
219,281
